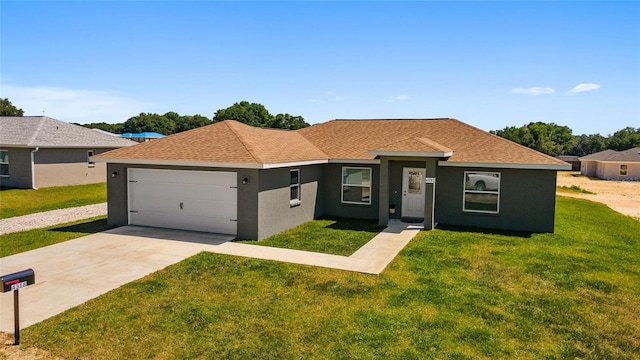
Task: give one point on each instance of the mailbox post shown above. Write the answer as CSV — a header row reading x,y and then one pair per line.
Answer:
x,y
14,282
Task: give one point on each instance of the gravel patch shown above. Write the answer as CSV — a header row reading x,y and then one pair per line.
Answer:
x,y
51,218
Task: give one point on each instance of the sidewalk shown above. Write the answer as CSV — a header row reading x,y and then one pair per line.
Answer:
x,y
51,218
75,271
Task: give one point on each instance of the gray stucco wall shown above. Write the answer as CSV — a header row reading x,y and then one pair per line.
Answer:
x,y
263,202
19,168
392,194
247,196
60,167
275,212
527,200
332,192
53,167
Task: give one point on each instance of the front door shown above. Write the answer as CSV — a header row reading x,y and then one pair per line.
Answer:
x,y
413,192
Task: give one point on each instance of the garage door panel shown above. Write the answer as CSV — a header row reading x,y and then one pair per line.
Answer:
x,y
181,199
220,225
166,189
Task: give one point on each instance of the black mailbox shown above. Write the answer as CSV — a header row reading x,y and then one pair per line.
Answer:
x,y
17,280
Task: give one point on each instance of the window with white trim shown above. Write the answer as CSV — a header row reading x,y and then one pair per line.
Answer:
x,y
481,192
4,163
624,169
89,155
294,186
356,185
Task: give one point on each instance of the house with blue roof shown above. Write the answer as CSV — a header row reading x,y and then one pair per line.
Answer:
x,y
143,136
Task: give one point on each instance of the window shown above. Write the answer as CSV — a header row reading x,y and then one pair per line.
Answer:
x,y
4,162
481,192
356,185
623,169
294,186
89,162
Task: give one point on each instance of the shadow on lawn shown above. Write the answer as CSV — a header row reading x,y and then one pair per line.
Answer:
x,y
90,227
354,224
520,234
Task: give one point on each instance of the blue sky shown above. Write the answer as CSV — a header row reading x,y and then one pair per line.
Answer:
x,y
490,64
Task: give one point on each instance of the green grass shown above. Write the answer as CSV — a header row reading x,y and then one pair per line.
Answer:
x,y
332,236
452,293
18,242
575,189
16,202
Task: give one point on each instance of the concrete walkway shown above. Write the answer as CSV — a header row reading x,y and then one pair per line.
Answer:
x,y
72,272
51,218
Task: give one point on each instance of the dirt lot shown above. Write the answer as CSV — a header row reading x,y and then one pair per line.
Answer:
x,y
621,196
9,351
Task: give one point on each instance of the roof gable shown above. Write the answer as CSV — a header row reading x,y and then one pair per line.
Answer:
x,y
228,141
413,144
45,132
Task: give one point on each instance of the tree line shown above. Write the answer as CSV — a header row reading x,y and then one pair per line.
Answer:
x,y
555,140
253,114
548,138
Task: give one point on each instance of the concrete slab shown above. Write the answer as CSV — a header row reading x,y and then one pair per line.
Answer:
x,y
72,272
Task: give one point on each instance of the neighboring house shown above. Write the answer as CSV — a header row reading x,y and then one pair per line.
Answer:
x,y
612,165
142,137
38,151
571,159
252,182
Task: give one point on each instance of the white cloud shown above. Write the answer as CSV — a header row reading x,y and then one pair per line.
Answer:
x,y
583,88
74,105
397,98
534,91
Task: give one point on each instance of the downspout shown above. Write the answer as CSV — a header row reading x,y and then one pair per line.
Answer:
x,y
33,169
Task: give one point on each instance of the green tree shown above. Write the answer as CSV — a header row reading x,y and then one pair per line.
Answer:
x,y
550,139
584,145
253,114
149,122
112,128
624,139
7,108
286,121
191,122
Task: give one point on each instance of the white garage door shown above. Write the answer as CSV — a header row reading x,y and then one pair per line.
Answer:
x,y
187,200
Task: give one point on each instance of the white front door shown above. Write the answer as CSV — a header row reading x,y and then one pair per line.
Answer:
x,y
413,192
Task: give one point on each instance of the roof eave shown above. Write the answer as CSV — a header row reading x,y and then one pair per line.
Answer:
x,y
209,164
505,165
31,146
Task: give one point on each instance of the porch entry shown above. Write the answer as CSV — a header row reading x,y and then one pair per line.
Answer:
x,y
413,192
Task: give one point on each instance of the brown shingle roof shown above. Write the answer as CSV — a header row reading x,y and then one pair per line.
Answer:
x,y
224,142
352,139
233,142
414,144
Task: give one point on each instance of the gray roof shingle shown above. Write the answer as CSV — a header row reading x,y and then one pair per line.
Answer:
x,y
45,132
631,155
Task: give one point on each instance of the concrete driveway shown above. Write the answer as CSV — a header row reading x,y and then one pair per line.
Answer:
x,y
70,273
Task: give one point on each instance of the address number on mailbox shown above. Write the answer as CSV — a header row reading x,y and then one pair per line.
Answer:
x,y
17,280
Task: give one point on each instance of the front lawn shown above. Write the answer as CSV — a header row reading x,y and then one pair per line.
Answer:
x,y
332,236
18,242
16,202
452,293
